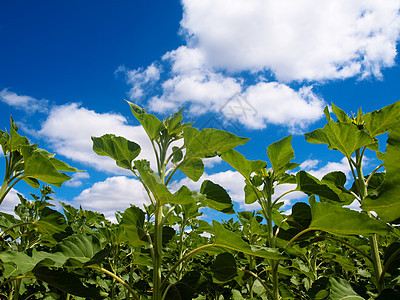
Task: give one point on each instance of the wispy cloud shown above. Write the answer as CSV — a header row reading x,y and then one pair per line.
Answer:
x,y
23,102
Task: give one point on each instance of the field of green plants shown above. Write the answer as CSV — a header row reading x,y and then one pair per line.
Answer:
x,y
322,250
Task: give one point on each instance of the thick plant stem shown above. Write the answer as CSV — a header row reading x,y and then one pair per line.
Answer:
x,y
373,240
3,190
157,258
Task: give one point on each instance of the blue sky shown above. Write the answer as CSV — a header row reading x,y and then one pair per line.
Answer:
x,y
66,66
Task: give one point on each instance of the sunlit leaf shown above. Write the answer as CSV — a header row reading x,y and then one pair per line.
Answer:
x,y
280,154
340,220
151,124
118,148
241,164
342,290
345,137
383,120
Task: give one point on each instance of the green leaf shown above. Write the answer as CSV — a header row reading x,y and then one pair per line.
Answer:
x,y
193,168
17,140
229,240
39,166
133,224
310,185
345,137
386,203
249,194
151,124
158,189
280,154
340,220
383,120
224,267
209,141
342,290
216,197
340,114
241,164
177,155
118,148
67,282
79,248
51,223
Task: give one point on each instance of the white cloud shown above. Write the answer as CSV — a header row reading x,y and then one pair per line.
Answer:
x,y
308,39
140,79
114,194
9,202
26,103
276,103
76,180
69,129
192,81
206,90
310,165
233,183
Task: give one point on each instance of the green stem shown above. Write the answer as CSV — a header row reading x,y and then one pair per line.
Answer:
x,y
157,258
3,190
261,281
373,240
117,279
191,253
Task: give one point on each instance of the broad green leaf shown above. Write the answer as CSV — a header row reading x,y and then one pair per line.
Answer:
x,y
327,113
345,137
39,166
216,197
193,168
299,220
151,124
224,267
51,224
133,223
387,204
383,120
336,180
229,240
209,141
118,148
310,185
241,164
79,248
340,220
67,282
342,290
20,263
340,114
280,154
17,140
63,166
250,194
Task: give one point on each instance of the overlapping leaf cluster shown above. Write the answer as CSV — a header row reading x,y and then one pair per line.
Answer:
x,y
165,250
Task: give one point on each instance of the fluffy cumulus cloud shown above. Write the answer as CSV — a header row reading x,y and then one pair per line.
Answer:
x,y
69,129
193,81
296,40
276,103
24,102
114,194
